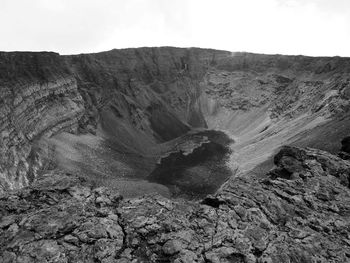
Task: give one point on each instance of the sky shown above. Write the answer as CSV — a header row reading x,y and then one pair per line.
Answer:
x,y
294,27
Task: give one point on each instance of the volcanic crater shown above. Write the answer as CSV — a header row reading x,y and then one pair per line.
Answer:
x,y
198,126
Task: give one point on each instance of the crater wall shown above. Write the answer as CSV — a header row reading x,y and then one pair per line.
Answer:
x,y
126,108
39,97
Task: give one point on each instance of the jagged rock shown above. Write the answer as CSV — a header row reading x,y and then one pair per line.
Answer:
x,y
51,222
172,247
61,218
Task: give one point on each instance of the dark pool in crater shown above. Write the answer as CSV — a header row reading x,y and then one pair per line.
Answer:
x,y
194,173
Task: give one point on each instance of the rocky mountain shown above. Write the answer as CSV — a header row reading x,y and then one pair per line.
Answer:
x,y
173,155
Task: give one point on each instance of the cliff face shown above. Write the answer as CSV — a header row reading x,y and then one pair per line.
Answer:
x,y
39,97
159,84
129,107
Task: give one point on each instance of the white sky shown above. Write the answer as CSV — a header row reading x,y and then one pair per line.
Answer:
x,y
308,27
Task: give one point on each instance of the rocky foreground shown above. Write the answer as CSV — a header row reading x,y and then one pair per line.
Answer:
x,y
300,212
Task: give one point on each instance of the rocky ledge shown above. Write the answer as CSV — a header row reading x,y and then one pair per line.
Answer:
x,y
299,212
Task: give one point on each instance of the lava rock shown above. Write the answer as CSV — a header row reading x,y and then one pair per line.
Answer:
x,y
62,218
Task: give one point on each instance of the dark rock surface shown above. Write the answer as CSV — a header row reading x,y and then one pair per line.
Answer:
x,y
345,145
193,172
345,149
299,213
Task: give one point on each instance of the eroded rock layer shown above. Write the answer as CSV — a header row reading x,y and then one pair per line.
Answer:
x,y
128,108
38,98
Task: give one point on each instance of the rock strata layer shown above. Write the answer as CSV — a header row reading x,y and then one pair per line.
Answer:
x,y
124,109
38,98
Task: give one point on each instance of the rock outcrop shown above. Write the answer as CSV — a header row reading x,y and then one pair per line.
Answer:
x,y
298,213
39,97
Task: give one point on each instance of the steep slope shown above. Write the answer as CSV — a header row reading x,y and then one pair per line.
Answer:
x,y
39,98
266,101
146,102
131,109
